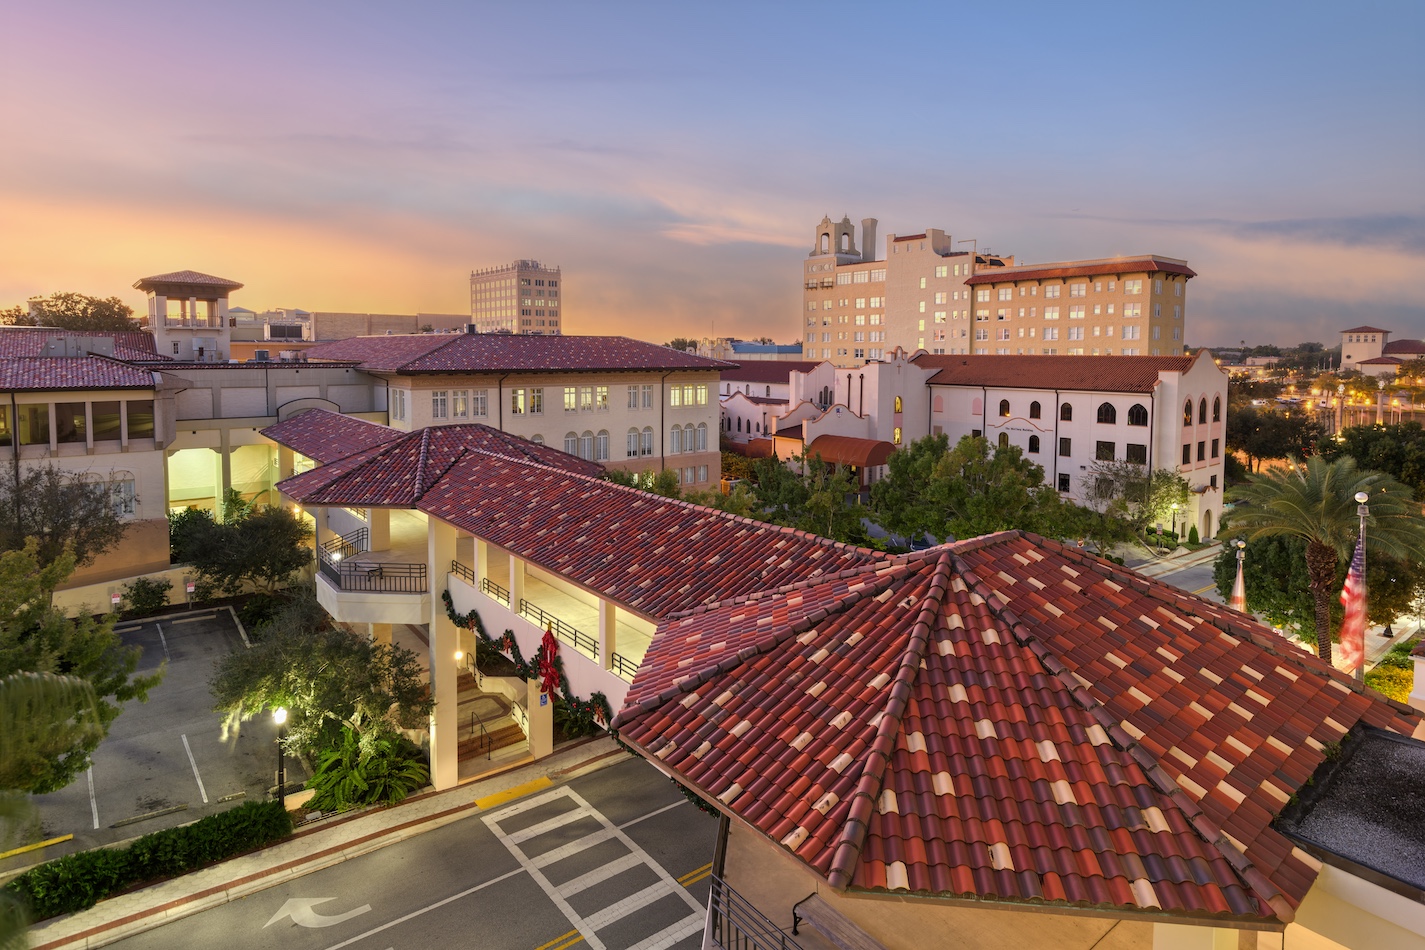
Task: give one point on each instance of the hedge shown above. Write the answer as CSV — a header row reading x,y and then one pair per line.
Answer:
x,y
79,881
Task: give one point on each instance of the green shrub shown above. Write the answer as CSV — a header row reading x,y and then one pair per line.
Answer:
x,y
258,610
78,881
1193,537
1394,681
373,768
146,595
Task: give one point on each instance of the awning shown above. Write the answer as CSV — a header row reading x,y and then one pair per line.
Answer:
x,y
846,450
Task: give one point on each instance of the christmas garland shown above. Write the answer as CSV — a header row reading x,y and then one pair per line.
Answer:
x,y
584,712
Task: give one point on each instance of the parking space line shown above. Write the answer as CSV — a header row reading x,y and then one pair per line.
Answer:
x,y
162,639
93,802
189,749
174,623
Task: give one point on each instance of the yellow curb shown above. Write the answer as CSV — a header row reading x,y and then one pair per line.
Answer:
x,y
35,847
510,794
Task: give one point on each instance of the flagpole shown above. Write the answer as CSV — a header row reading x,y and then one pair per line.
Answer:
x,y
1362,509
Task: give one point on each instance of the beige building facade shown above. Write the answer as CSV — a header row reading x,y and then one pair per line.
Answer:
x,y
523,297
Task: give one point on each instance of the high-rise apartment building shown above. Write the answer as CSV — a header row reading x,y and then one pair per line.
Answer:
x,y
930,293
522,297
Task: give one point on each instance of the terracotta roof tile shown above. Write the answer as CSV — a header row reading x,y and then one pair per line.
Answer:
x,y
768,371
31,341
70,372
937,724
327,436
1126,374
1127,265
186,277
502,352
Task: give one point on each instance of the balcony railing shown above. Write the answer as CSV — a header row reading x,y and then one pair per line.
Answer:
x,y
624,667
494,590
345,545
466,574
389,577
201,323
737,925
576,638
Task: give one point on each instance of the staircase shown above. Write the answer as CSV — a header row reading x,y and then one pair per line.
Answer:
x,y
490,710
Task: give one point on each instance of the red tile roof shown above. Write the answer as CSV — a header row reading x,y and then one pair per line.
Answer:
x,y
1365,330
1126,265
1404,348
768,371
848,450
31,341
1004,719
186,277
70,372
327,436
1381,361
1119,374
399,472
503,352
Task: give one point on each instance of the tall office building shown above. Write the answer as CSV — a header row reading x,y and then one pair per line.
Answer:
x,y
522,297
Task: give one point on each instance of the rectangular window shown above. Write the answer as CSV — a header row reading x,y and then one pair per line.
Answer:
x,y
1051,333
121,491
69,422
106,422
982,295
1187,454
1216,446
1157,286
601,398
586,398
1132,310
1051,313
517,402
982,333
1177,288
1002,333
1131,333
1157,333
648,397
1103,451
536,400
439,404
633,397
1202,451
479,403
688,391
1006,293
1078,290
922,283
398,404
140,419
942,271
1076,333
1052,290
1135,453
1065,446
675,393
571,399
1063,482
460,404
1131,286
1076,312
702,394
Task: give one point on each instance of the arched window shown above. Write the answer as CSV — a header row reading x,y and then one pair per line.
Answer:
x,y
586,445
1216,408
703,436
769,392
632,443
1137,415
1107,414
646,447
571,443
1187,413
1034,444
1034,410
537,439
825,243
1004,440
900,407
1202,410
1066,413
759,428
739,423
675,440
1004,408
601,446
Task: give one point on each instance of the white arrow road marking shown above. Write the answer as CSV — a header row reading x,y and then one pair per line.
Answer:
x,y
300,910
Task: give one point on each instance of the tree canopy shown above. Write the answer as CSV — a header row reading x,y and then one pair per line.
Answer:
x,y
257,548
1397,450
1139,498
1266,434
37,638
61,511
72,311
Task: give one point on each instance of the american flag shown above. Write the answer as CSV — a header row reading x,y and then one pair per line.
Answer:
x,y
1353,598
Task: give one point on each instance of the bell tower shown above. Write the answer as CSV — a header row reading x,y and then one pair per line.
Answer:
x,y
838,238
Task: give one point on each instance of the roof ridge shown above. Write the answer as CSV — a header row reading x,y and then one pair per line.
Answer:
x,y
874,567
1253,879
852,836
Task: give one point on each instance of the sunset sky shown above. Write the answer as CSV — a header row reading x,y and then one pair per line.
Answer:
x,y
675,158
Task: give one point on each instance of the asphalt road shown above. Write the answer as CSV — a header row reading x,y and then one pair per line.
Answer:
x,y
165,762
1194,580
616,859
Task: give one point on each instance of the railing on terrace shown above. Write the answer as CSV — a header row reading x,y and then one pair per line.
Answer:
x,y
624,667
346,545
466,574
737,925
488,586
578,639
389,577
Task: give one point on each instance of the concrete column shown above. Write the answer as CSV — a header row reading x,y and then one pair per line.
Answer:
x,y
225,465
319,519
379,633
541,720
516,585
444,641
482,561
378,521
285,462
608,633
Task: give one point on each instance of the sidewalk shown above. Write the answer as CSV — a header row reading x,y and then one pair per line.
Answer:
x,y
327,843
1177,560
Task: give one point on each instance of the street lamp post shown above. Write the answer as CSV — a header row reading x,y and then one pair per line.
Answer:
x,y
1341,401
279,716
1174,528
1362,509
1239,586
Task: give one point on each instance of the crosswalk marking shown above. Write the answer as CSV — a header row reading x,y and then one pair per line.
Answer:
x,y
587,927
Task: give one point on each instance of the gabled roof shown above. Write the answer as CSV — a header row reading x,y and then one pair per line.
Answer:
x,y
399,472
1365,330
1004,719
1118,374
327,436
1404,348
1381,361
768,371
31,341
1148,264
504,352
40,373
186,277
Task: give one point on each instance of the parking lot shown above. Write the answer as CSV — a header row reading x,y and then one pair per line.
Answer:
x,y
165,762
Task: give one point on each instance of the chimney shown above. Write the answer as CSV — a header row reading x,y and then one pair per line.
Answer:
x,y
868,239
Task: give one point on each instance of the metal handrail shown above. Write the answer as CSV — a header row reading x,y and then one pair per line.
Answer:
x,y
375,576
577,638
624,667
484,735
348,544
737,925
488,586
466,574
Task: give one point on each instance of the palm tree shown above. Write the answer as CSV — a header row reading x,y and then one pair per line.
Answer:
x,y
1315,502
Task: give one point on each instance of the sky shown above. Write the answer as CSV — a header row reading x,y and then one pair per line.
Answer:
x,y
675,158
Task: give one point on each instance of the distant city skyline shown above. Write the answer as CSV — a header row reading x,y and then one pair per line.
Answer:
x,y
674,160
